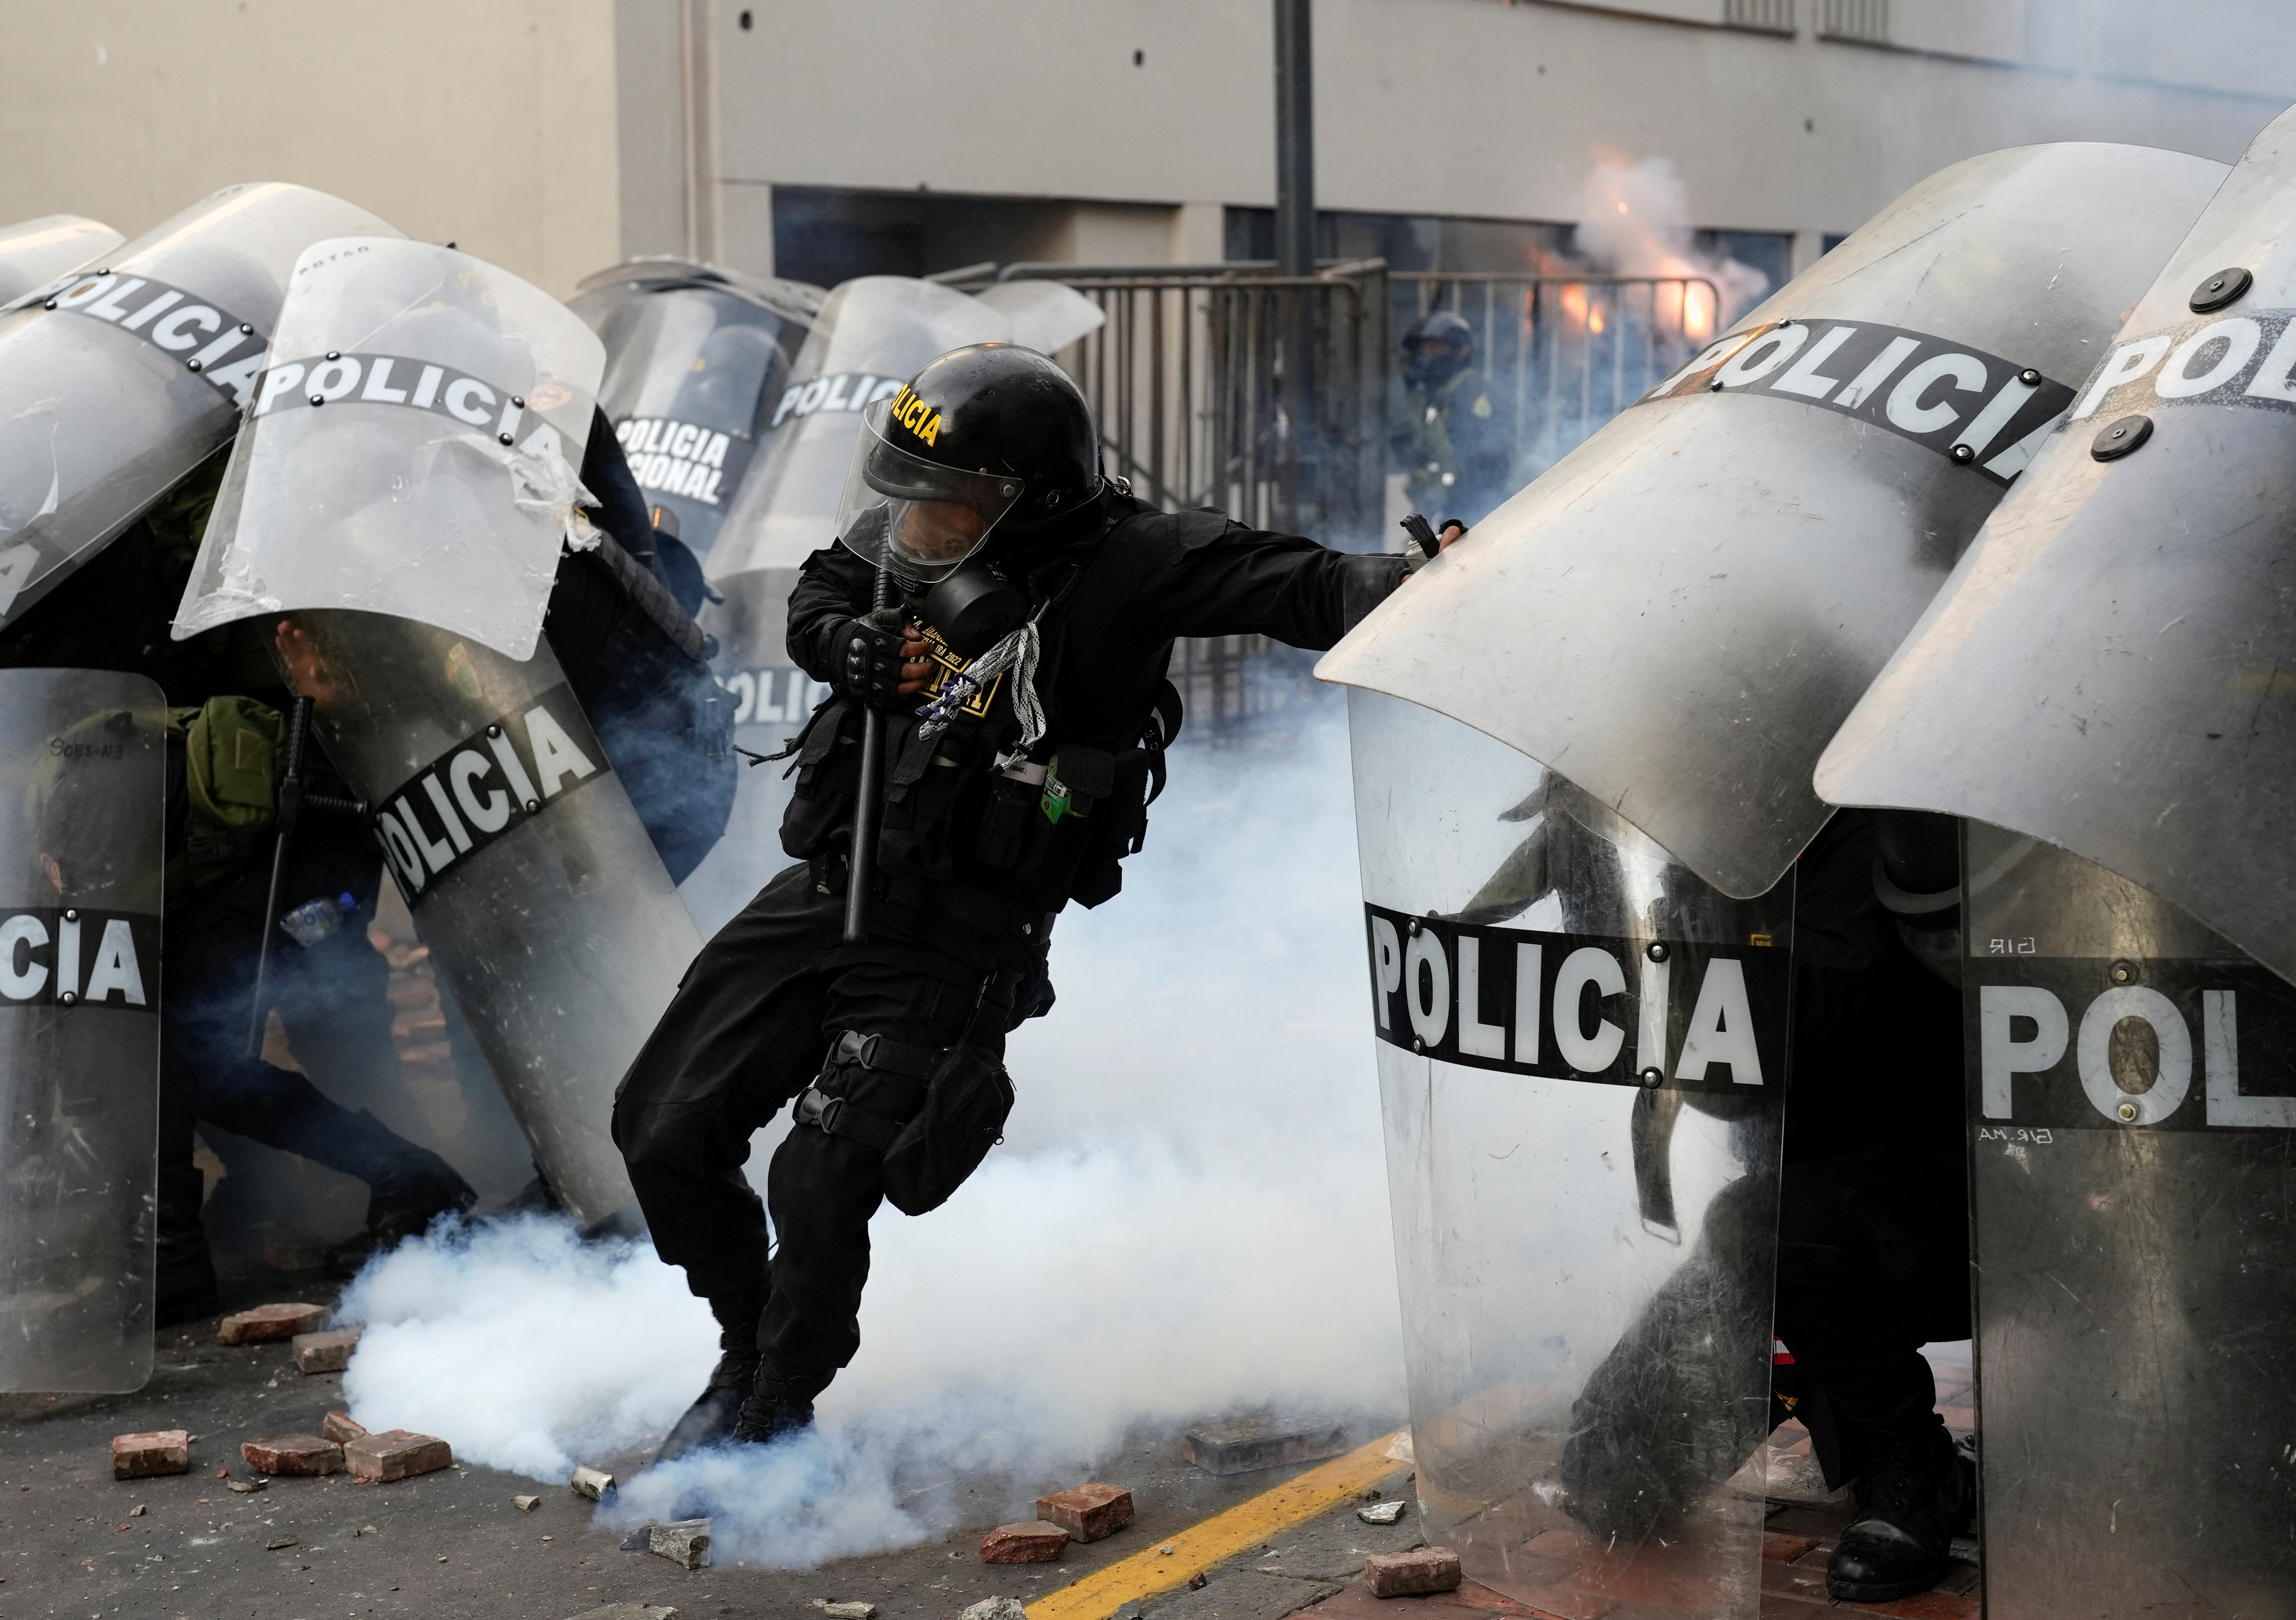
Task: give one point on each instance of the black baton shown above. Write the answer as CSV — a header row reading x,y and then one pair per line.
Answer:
x,y
861,864
292,799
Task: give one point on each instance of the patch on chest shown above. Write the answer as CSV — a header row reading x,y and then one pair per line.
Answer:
x,y
947,665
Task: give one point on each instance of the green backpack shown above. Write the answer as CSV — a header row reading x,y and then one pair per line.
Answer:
x,y
231,760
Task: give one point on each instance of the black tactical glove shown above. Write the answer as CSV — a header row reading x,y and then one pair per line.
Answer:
x,y
867,662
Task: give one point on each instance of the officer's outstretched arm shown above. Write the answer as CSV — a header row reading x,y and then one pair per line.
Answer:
x,y
1246,582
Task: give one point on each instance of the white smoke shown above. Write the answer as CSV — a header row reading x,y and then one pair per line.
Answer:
x,y
1189,1218
1635,219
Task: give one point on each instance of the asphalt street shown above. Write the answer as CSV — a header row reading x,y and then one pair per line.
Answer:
x,y
74,1542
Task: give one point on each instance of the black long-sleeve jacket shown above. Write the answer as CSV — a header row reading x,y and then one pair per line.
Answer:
x,y
1116,586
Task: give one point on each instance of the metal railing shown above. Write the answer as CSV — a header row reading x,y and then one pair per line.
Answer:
x,y
1272,398
1565,354
1262,395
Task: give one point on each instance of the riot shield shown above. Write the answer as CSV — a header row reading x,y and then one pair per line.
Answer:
x,y
530,878
406,557
696,358
426,413
871,337
2132,1099
117,383
37,251
83,803
1582,1053
2109,667
1691,600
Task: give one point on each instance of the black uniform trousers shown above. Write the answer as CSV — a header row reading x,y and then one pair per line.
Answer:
x,y
747,1032
333,998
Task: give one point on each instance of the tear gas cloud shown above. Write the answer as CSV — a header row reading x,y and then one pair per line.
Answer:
x,y
1635,219
1188,1218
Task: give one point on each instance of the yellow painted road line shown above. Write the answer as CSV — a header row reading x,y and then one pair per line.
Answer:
x,y
1247,1525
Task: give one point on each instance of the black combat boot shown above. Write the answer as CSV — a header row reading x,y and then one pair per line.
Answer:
x,y
407,1189
1916,1494
187,1289
711,1418
780,1403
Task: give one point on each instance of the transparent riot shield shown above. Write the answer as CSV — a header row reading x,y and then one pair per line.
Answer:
x,y
2132,1109
83,803
1582,1054
425,412
2109,667
117,383
696,358
528,874
36,251
871,337
1692,599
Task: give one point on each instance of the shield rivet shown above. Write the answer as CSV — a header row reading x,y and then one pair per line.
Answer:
x,y
246,327
49,305
70,997
2226,286
2029,377
193,364
105,271
1651,1079
1419,1045
493,731
318,398
1963,454
2126,1113
1655,951
2122,437
504,437
334,354
519,400
71,914
1716,385
2125,973
531,806
1415,926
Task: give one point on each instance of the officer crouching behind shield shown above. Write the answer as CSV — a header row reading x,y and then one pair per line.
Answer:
x,y
1041,602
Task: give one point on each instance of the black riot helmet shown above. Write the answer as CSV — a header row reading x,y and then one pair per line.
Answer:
x,y
987,435
1437,349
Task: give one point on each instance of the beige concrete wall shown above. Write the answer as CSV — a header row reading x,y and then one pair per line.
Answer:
x,y
489,123
1471,107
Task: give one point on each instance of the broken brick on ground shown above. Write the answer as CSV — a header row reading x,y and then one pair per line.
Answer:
x,y
685,1543
153,1453
1410,1574
338,1427
268,1324
1034,1543
1088,1511
395,1454
303,1454
329,1351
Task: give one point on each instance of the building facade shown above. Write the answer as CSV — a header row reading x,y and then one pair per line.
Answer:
x,y
824,140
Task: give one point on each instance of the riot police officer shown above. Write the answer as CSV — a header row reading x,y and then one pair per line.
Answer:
x,y
1041,604
1454,436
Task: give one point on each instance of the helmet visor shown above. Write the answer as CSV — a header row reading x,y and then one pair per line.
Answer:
x,y
915,517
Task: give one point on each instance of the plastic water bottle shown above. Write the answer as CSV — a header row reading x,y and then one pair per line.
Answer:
x,y
315,919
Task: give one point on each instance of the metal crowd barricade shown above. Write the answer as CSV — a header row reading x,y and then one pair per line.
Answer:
x,y
1271,397
1567,352
1263,395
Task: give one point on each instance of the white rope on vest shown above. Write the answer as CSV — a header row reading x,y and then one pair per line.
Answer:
x,y
1018,651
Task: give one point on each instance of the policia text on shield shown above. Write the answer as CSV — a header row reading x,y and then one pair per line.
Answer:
x,y
1718,1016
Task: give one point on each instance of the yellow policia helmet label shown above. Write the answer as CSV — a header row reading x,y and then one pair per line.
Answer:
x,y
914,415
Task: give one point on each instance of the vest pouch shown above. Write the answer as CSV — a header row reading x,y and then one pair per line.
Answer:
x,y
1005,820
968,1097
821,804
